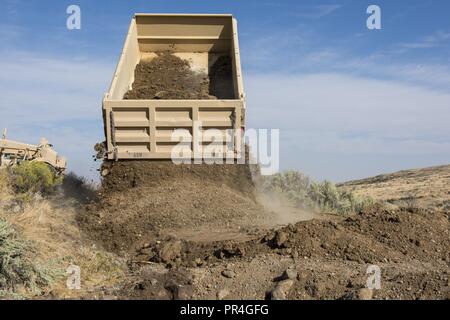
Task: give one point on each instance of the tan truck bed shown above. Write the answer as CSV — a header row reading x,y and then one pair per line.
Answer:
x,y
142,129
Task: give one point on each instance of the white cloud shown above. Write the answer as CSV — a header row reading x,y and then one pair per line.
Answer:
x,y
300,52
50,89
307,11
318,11
340,116
324,117
54,98
431,41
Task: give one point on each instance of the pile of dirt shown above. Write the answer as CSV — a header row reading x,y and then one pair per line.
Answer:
x,y
375,235
170,77
329,258
372,236
140,200
221,78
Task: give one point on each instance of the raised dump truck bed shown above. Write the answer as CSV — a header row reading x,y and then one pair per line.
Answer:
x,y
142,129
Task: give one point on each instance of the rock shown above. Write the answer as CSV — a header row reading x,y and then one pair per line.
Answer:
x,y
228,273
229,250
281,238
281,290
316,289
302,276
289,273
38,197
447,296
160,94
179,292
170,250
198,262
222,294
146,251
364,294
105,172
184,293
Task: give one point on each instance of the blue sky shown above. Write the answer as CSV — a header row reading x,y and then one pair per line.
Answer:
x,y
350,102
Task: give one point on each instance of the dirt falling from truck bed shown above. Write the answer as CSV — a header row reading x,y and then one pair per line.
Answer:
x,y
139,200
170,77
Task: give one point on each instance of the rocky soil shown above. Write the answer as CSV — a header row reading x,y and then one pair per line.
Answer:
x,y
170,77
193,232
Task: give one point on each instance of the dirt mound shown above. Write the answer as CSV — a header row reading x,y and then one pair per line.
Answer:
x,y
329,258
373,236
153,282
169,77
141,199
414,232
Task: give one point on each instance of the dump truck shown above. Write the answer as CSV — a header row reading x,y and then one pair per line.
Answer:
x,y
13,153
144,128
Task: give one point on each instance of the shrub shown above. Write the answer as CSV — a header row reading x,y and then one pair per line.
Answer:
x,y
293,184
305,193
34,177
18,270
4,181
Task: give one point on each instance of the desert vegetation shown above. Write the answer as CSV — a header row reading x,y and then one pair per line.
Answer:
x,y
40,239
33,177
306,193
20,274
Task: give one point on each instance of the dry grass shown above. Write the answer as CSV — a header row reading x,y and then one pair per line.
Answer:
x,y
20,273
50,225
5,190
427,187
59,241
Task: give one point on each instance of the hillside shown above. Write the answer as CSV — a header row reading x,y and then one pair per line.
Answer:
x,y
426,187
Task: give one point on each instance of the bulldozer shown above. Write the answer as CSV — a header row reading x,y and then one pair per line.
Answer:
x,y
13,153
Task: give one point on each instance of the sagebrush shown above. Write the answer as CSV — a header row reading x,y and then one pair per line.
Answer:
x,y
33,177
19,272
305,193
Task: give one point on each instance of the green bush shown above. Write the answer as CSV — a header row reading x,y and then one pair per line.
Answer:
x,y
34,177
305,193
17,266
